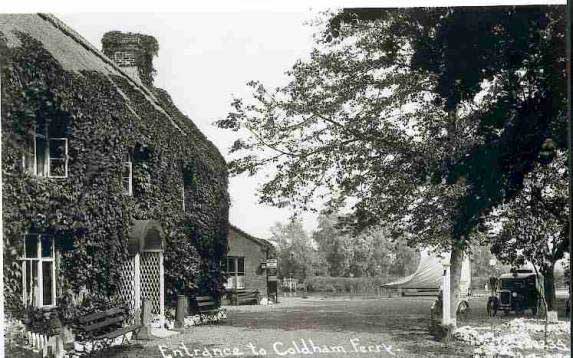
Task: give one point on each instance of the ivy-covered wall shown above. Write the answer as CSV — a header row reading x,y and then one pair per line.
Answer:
x,y
87,212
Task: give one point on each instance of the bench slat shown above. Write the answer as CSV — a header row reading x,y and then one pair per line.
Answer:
x,y
102,324
99,315
200,304
206,304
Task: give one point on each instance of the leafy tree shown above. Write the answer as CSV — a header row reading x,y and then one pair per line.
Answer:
x,y
296,254
405,260
334,245
534,226
372,252
423,118
481,267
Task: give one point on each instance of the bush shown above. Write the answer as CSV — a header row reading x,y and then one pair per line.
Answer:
x,y
345,284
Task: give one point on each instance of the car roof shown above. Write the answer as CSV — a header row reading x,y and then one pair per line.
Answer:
x,y
516,275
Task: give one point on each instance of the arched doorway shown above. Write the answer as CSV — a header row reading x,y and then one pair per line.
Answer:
x,y
142,275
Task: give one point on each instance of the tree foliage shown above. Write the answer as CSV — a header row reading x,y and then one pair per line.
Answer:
x,y
298,258
370,253
534,226
391,111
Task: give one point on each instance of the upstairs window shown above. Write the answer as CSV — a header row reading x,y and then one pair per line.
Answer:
x,y
38,271
127,175
58,157
46,153
141,170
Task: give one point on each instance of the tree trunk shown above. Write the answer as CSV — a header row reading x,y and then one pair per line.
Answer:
x,y
456,259
549,286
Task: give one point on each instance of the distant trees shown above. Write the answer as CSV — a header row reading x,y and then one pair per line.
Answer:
x,y
334,246
298,258
336,252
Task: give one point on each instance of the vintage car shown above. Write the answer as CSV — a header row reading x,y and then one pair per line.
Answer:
x,y
517,291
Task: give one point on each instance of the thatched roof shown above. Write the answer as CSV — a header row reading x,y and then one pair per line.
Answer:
x,y
76,54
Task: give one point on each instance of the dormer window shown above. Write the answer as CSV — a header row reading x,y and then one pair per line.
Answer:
x,y
47,152
127,175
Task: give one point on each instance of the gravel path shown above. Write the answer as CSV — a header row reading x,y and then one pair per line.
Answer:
x,y
333,327
316,327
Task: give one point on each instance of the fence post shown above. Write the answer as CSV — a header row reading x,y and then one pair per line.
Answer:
x,y
181,312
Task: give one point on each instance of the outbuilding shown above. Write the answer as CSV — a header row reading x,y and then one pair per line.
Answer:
x,y
249,264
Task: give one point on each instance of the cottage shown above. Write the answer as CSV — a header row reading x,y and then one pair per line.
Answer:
x,y
110,193
246,264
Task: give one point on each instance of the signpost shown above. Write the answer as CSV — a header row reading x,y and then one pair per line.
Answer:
x,y
271,266
446,317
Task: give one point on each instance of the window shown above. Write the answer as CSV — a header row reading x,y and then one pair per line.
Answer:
x,y
141,170
45,155
127,175
38,271
235,267
58,157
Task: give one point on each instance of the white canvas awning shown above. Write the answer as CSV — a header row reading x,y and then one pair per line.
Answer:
x,y
429,274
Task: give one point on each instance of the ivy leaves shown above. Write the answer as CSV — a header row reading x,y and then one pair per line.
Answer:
x,y
87,212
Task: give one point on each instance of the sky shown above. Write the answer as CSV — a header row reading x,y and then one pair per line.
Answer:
x,y
206,58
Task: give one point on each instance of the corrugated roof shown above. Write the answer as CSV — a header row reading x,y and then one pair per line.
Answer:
x,y
257,240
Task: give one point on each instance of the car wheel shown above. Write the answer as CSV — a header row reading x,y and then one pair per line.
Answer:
x,y
463,309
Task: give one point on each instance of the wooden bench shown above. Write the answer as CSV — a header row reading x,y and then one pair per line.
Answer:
x,y
206,304
242,297
105,325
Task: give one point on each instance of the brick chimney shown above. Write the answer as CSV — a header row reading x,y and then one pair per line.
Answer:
x,y
133,52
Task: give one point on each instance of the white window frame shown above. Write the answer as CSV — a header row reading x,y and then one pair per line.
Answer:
x,y
38,301
65,140
47,159
129,164
29,162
